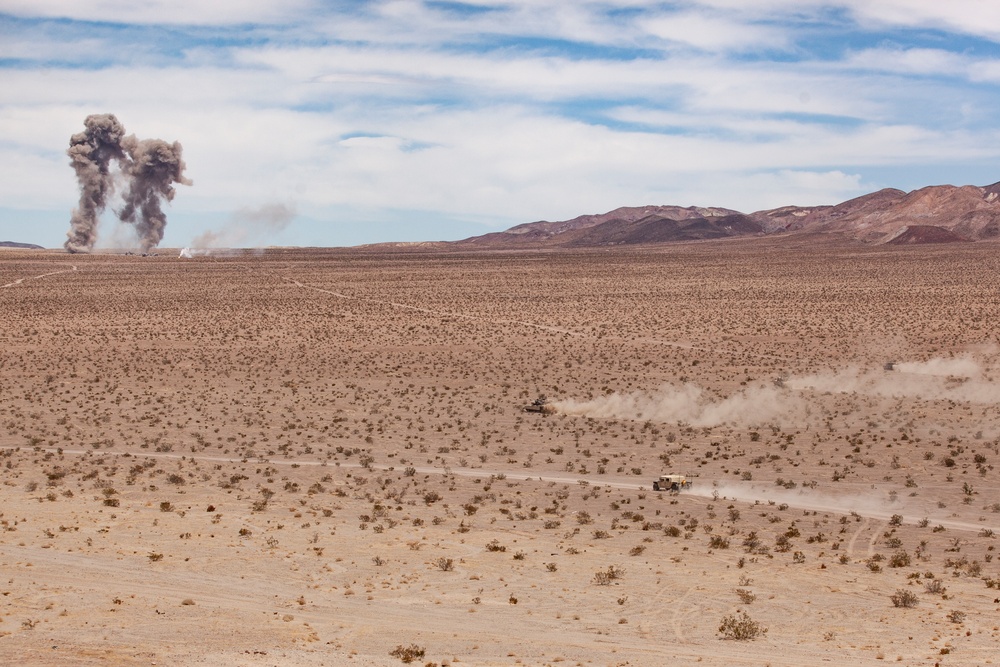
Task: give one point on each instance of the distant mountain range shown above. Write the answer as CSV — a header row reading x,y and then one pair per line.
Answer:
x,y
935,214
15,244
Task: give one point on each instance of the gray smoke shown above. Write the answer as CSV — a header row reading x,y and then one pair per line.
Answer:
x,y
91,153
149,167
248,227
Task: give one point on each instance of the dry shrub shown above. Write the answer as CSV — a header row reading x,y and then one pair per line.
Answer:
x,y
409,653
605,577
741,627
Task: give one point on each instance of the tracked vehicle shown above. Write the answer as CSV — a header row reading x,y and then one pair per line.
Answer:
x,y
540,405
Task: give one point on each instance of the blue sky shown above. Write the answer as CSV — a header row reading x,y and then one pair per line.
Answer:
x,y
405,120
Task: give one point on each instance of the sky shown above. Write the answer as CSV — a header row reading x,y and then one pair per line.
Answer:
x,y
335,123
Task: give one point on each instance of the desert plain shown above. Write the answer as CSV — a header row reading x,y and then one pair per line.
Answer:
x,y
321,457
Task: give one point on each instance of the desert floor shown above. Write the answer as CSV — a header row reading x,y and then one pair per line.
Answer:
x,y
319,457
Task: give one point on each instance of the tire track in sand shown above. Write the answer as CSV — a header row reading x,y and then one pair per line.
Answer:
x,y
44,275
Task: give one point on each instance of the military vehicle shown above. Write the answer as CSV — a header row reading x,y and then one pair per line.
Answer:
x,y
671,483
541,405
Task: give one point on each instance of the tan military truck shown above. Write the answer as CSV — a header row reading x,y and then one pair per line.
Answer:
x,y
671,483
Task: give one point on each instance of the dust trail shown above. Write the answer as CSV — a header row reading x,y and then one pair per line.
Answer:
x,y
962,379
693,405
865,505
149,167
871,505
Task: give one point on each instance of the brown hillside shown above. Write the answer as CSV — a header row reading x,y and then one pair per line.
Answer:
x,y
935,214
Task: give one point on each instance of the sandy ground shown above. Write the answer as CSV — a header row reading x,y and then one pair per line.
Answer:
x,y
320,457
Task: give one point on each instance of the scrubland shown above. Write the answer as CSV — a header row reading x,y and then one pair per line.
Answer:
x,y
320,457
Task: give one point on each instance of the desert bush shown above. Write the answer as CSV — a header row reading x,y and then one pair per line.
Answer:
x,y
741,627
445,564
745,596
605,577
899,559
934,586
494,546
718,542
409,653
903,598
956,616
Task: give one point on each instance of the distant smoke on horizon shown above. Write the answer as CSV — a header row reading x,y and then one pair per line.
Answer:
x,y
149,167
247,227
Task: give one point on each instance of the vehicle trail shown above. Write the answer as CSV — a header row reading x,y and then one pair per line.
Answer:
x,y
44,275
430,311
874,538
675,619
524,323
707,490
854,537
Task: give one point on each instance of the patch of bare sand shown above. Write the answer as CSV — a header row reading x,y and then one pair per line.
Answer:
x,y
318,457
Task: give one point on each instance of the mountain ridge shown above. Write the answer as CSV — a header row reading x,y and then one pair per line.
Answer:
x,y
21,246
932,214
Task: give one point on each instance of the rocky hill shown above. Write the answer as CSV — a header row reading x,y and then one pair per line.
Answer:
x,y
935,214
15,244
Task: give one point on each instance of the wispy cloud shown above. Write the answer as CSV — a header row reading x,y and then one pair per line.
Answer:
x,y
506,110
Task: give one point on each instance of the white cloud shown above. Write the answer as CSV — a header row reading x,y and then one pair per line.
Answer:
x,y
187,12
910,61
972,17
529,110
714,33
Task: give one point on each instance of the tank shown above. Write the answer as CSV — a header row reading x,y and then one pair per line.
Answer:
x,y
540,405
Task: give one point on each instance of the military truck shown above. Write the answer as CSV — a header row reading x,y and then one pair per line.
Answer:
x,y
671,483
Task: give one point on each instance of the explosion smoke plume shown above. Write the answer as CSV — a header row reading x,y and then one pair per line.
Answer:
x,y
150,167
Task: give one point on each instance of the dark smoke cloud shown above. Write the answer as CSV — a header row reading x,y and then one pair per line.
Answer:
x,y
91,153
150,167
